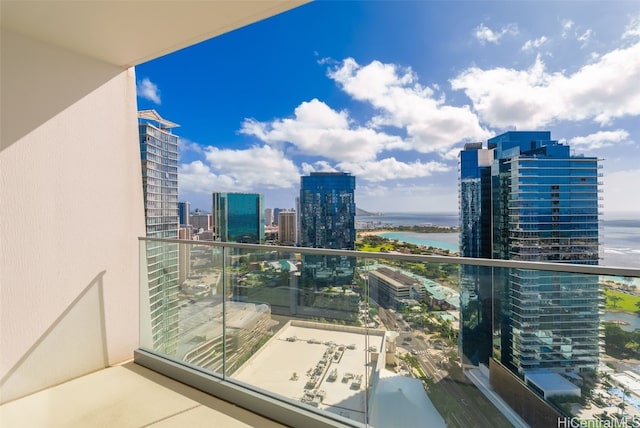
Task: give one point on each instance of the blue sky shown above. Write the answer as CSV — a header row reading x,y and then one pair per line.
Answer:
x,y
391,90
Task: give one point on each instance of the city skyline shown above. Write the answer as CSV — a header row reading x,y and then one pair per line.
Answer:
x,y
322,88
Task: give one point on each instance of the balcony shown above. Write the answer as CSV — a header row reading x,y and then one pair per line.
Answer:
x,y
69,302
304,333
127,395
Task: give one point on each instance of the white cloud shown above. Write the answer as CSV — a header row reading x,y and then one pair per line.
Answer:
x,y
184,144
196,177
486,34
600,91
599,140
238,170
256,166
585,37
318,166
392,169
451,154
534,44
149,90
402,102
633,29
318,130
567,25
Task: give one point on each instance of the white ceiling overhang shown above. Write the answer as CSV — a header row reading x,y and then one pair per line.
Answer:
x,y
128,33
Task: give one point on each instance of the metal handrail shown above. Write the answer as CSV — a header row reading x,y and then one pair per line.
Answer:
x,y
496,263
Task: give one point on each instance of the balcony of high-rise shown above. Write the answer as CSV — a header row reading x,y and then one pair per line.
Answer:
x,y
85,342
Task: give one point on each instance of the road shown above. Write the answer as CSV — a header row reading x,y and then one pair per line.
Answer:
x,y
459,402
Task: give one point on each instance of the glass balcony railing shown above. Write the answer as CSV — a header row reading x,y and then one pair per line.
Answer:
x,y
349,338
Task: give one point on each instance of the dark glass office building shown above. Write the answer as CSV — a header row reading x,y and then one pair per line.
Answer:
x,y
327,220
526,197
476,294
327,210
238,217
184,213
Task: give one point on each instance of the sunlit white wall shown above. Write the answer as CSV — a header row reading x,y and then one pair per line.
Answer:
x,y
71,208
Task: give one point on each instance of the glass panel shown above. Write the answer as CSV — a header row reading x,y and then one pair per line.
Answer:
x,y
390,340
181,303
297,329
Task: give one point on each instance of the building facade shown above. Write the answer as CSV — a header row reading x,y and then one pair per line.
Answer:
x,y
327,210
544,206
276,213
201,221
268,216
287,227
327,220
184,213
392,289
184,255
159,158
238,217
476,291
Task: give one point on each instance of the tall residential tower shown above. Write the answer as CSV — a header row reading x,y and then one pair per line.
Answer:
x,y
159,157
526,197
287,227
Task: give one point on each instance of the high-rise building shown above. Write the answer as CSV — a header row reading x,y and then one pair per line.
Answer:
x,y
297,208
475,241
327,210
268,216
200,220
238,217
287,230
184,213
526,197
327,220
184,255
276,213
159,156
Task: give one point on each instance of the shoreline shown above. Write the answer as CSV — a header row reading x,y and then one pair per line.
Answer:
x,y
371,232
375,232
363,233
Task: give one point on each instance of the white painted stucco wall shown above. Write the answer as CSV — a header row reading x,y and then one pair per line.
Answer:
x,y
71,209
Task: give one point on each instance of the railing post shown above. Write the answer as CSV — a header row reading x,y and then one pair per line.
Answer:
x,y
224,312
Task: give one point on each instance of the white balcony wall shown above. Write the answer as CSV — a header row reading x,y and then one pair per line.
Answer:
x,y
71,205
71,208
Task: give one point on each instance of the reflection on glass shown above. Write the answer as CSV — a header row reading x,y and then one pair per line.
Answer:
x,y
371,338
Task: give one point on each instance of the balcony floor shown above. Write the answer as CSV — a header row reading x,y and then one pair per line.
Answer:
x,y
126,396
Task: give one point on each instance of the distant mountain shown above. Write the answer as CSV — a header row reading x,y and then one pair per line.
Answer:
x,y
364,213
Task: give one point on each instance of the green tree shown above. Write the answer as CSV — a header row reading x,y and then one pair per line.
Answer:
x,y
614,301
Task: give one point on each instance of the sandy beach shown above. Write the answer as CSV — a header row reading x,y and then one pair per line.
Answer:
x,y
371,232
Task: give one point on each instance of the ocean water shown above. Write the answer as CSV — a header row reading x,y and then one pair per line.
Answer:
x,y
410,219
445,241
620,237
621,243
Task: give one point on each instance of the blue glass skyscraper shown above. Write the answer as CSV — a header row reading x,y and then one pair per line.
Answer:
x,y
327,210
327,220
238,217
543,207
476,292
184,213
